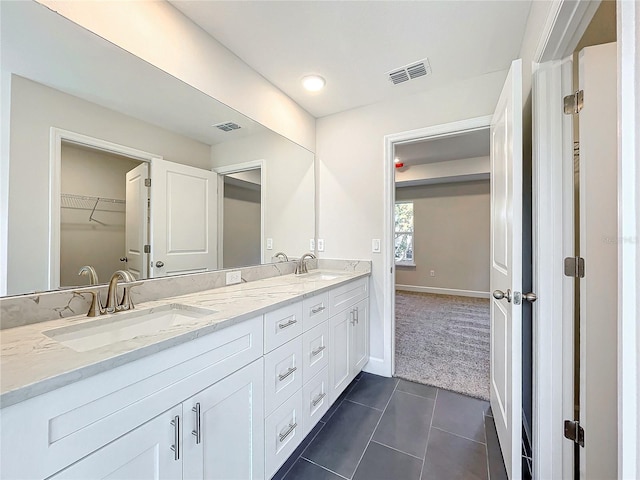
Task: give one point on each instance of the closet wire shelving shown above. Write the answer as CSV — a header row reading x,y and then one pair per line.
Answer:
x,y
94,204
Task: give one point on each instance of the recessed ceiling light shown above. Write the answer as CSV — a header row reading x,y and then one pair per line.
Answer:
x,y
313,83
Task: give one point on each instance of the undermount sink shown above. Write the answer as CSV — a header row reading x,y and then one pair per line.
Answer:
x,y
322,275
124,326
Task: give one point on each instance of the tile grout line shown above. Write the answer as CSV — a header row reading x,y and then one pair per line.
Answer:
x,y
459,436
484,423
433,412
324,468
393,448
363,405
304,450
416,395
376,427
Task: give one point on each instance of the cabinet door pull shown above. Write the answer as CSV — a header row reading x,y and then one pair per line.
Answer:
x,y
288,324
318,350
197,432
318,399
292,427
357,314
352,314
176,437
282,376
318,309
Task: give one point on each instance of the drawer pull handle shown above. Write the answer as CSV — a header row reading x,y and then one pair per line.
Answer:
x,y
318,399
197,432
288,324
357,315
292,427
318,309
176,437
282,376
318,350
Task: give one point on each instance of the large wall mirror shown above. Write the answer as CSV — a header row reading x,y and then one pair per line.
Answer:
x,y
116,164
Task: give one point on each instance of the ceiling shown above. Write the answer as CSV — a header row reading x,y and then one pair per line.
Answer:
x,y
354,44
452,147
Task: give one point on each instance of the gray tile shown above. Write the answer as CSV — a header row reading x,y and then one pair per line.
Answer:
x,y
373,391
298,451
382,463
305,470
450,457
340,444
460,414
426,391
405,423
497,470
334,406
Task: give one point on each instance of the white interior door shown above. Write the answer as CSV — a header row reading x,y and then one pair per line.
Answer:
x,y
183,219
599,248
506,269
137,220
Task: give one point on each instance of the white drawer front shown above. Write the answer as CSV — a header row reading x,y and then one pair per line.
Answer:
x,y
282,325
315,310
283,433
282,374
315,398
315,351
348,295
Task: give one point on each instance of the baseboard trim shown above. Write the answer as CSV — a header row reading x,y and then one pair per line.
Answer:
x,y
443,291
376,366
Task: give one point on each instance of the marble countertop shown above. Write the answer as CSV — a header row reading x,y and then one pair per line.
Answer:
x,y
31,363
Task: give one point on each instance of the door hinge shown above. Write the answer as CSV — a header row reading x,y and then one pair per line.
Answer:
x,y
574,267
573,431
147,182
573,103
147,249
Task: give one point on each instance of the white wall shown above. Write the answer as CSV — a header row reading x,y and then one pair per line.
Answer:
x,y
34,110
241,236
158,33
289,187
451,237
350,152
443,172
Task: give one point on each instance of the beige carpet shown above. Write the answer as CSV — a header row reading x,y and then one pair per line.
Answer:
x,y
443,340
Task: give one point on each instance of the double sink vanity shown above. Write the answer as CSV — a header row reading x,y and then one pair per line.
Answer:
x,y
221,383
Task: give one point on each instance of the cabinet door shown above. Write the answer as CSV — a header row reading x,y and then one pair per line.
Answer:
x,y
223,429
359,354
339,365
143,453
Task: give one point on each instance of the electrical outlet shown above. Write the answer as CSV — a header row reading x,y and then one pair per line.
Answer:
x,y
269,243
375,245
432,273
234,277
312,244
321,245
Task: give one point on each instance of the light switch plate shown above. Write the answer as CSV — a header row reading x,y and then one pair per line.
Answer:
x,y
312,244
269,243
321,244
375,245
234,277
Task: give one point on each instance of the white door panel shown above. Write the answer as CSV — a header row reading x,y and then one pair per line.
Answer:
x,y
183,219
137,220
506,269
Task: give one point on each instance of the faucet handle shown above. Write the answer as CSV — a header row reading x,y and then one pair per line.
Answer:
x,y
95,309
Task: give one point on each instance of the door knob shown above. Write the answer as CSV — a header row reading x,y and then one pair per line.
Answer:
x,y
159,264
124,259
530,297
499,295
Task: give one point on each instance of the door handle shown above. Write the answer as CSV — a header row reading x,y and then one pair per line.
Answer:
x,y
176,437
159,264
499,295
124,259
198,430
529,297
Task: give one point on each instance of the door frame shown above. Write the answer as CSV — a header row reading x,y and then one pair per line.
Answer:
x,y
235,168
553,393
386,366
56,137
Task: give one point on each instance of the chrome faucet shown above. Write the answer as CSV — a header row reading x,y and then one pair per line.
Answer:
x,y
281,255
96,307
301,267
125,304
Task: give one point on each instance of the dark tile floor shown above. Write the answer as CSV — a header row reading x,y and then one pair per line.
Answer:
x,y
391,429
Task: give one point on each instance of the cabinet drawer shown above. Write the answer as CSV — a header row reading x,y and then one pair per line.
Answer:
x,y
315,351
282,325
315,310
347,295
283,433
315,399
282,374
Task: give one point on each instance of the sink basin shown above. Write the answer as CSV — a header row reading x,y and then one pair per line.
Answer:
x,y
124,326
321,275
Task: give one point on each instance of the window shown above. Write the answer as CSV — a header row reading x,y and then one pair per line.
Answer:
x,y
404,233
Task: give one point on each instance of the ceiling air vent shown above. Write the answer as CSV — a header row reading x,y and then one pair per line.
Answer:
x,y
227,126
410,72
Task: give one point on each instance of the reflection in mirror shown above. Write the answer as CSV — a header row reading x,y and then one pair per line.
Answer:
x,y
89,123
